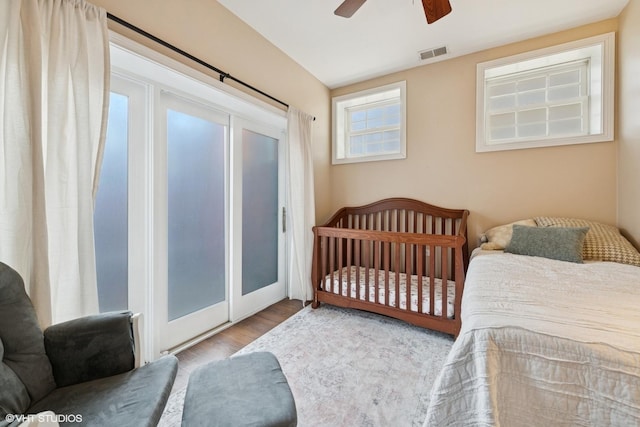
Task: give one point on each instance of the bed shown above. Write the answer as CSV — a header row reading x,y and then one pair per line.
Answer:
x,y
398,257
545,341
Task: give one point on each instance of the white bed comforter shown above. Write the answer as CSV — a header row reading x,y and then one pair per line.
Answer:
x,y
543,343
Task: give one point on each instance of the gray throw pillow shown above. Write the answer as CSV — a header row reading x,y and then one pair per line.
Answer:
x,y
560,243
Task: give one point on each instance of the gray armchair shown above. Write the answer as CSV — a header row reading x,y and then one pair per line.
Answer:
x,y
84,367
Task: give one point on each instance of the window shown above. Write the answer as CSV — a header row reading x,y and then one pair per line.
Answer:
x,y
556,96
370,125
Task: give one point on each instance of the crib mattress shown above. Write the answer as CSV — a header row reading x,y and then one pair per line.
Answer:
x,y
349,289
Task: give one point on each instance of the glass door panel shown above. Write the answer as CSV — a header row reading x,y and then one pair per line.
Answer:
x,y
260,227
196,222
192,220
110,219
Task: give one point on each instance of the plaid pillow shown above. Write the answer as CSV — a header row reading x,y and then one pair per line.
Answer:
x,y
602,243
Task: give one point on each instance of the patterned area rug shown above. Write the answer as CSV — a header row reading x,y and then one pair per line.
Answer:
x,y
350,368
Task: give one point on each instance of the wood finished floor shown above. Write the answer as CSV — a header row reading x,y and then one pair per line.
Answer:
x,y
232,339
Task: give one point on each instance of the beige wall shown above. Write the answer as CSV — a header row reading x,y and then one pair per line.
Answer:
x,y
443,168
629,122
207,30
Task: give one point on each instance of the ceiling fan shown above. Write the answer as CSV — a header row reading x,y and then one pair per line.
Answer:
x,y
433,9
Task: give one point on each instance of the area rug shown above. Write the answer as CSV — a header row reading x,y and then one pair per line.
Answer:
x,y
350,368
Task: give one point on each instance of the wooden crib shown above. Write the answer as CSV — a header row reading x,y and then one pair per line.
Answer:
x,y
398,257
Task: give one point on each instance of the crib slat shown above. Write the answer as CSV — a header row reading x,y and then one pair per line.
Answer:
x,y
406,221
424,230
432,279
357,264
407,275
332,242
444,282
340,278
387,261
349,250
366,270
375,253
414,253
323,261
420,273
397,270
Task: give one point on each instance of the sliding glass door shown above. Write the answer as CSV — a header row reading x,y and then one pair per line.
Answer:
x,y
189,212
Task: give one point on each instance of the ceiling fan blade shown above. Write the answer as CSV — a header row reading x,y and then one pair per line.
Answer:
x,y
348,8
435,9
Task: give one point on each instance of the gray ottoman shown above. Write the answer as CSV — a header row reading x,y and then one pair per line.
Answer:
x,y
247,390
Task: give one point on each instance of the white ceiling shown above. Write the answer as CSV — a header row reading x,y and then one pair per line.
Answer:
x,y
385,36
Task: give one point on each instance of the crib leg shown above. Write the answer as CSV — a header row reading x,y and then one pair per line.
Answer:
x,y
315,304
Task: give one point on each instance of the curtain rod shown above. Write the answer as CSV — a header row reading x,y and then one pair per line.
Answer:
x,y
223,75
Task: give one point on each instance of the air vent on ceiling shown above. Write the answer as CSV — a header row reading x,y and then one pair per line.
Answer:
x,y
432,53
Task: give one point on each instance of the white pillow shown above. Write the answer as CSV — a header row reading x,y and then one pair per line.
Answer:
x,y
499,237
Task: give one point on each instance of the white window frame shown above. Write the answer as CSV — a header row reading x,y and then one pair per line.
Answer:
x,y
340,108
599,51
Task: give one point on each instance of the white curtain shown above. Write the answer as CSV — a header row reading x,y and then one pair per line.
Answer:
x,y
54,74
301,204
